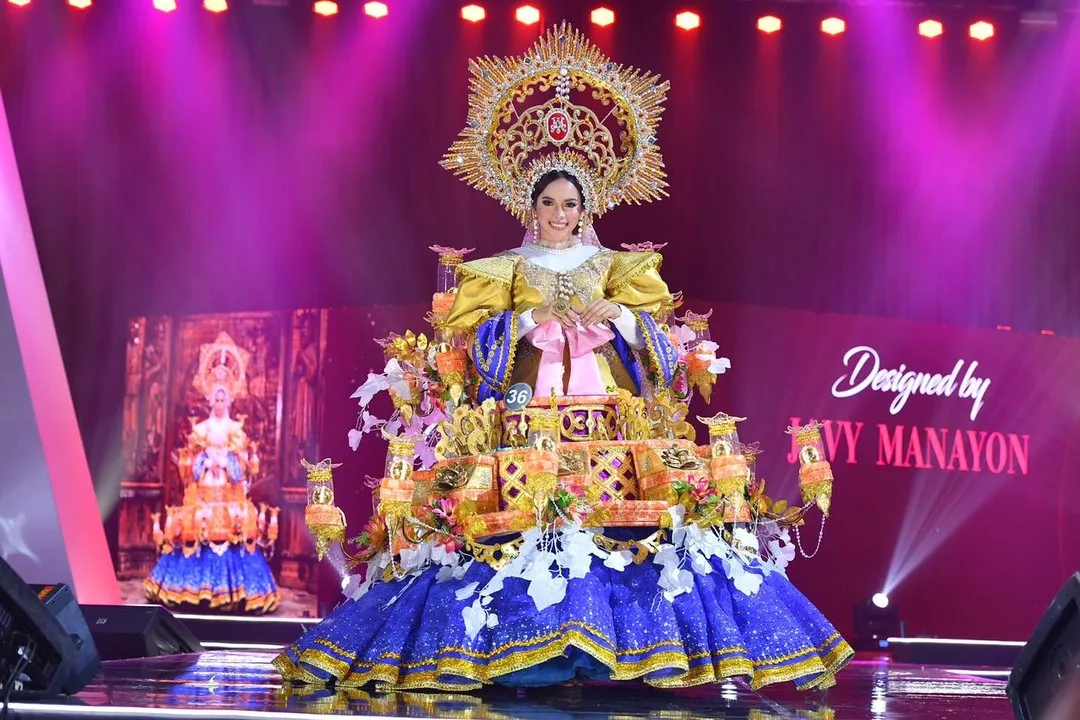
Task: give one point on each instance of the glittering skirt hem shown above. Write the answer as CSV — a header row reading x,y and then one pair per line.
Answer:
x,y
813,670
611,625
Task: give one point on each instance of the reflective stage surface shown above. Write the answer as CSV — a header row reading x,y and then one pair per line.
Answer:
x,y
234,684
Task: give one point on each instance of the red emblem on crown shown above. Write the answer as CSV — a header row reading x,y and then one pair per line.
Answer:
x,y
558,125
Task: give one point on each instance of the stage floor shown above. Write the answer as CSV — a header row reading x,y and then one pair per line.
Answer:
x,y
234,684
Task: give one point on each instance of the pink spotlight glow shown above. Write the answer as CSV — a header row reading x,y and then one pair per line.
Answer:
x,y
80,4
688,20
930,29
326,8
833,26
981,30
216,6
769,24
19,3
376,10
527,15
165,5
602,16
473,13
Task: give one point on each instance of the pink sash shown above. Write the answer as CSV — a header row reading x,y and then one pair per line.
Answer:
x,y
550,339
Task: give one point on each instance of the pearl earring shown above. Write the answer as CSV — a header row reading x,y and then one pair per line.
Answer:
x,y
536,228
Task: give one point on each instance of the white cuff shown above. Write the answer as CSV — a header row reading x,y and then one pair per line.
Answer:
x,y
627,325
525,324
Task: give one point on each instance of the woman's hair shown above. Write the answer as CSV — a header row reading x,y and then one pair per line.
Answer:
x,y
551,176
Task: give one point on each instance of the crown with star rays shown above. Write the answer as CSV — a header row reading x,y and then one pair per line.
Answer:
x,y
563,105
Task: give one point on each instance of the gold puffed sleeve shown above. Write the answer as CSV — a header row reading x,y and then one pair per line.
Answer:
x,y
634,281
484,289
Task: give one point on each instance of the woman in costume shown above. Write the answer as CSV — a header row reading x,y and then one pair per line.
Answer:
x,y
212,544
623,553
561,313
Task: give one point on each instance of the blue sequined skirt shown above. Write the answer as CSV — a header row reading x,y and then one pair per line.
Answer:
x,y
611,625
237,579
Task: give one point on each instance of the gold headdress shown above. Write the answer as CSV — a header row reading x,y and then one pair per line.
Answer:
x,y
222,366
522,124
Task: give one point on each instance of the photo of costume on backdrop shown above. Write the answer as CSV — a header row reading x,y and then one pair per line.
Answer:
x,y
218,412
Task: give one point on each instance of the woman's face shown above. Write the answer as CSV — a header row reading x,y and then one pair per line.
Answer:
x,y
558,210
221,403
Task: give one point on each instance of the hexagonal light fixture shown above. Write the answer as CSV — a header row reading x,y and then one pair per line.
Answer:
x,y
769,24
527,15
833,26
473,13
602,16
930,29
688,20
981,30
376,10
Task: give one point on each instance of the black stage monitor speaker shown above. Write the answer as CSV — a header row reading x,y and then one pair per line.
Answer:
x,y
45,647
1049,661
122,632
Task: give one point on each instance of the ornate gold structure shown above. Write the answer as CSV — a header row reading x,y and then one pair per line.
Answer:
x,y
523,122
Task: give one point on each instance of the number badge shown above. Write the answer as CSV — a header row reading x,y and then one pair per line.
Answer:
x,y
518,396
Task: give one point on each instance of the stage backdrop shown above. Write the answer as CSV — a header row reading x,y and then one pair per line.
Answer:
x,y
953,449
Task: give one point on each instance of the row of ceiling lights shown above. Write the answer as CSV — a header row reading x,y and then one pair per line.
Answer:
x,y
602,16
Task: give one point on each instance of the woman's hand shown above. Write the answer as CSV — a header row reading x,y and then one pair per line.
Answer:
x,y
547,313
598,311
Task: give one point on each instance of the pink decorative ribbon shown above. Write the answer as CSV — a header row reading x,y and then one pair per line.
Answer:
x,y
551,339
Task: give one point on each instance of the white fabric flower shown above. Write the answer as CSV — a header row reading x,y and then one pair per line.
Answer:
x,y
355,436
675,582
466,592
547,591
747,582
719,366
619,560
414,559
374,385
476,618
683,335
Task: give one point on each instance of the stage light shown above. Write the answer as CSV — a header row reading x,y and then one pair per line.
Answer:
x,y
473,13
216,6
165,5
833,26
876,619
688,20
326,8
527,15
603,17
930,28
376,10
981,30
19,3
769,24
80,4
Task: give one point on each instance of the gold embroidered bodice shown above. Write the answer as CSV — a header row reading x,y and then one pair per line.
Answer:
x,y
577,285
509,281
